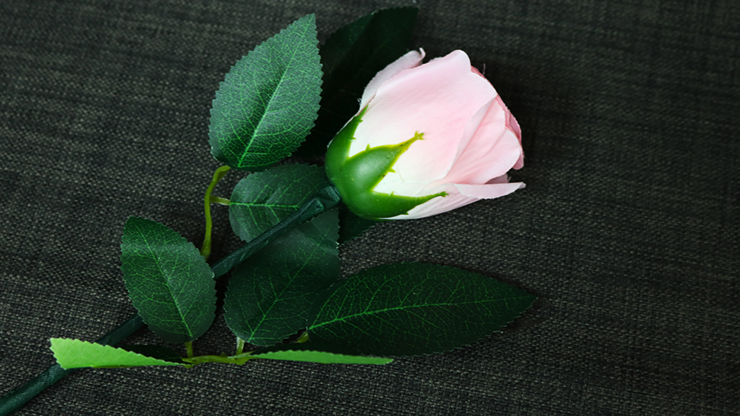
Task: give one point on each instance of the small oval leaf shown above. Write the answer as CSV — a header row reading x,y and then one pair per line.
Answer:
x,y
261,200
168,281
267,103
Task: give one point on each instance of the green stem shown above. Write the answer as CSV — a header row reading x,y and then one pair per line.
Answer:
x,y
239,345
303,338
189,348
325,200
15,399
205,249
237,359
220,201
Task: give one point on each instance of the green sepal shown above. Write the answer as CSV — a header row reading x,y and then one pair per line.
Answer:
x,y
267,103
355,177
412,309
74,353
310,352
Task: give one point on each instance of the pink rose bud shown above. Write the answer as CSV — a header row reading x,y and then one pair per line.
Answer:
x,y
428,139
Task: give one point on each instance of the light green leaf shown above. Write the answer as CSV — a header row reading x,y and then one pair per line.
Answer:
x,y
351,57
74,353
168,281
269,294
261,200
310,353
268,102
413,309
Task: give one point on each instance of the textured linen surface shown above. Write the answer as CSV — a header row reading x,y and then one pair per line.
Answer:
x,y
628,230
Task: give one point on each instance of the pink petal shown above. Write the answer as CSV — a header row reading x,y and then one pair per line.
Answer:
x,y
458,196
511,122
492,147
489,191
513,125
408,61
437,99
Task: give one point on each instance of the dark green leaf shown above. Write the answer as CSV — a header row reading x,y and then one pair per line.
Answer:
x,y
352,226
324,200
168,280
269,295
155,351
351,57
309,353
73,353
261,200
269,100
413,309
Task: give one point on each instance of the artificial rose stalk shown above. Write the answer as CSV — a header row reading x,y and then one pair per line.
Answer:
x,y
324,200
427,139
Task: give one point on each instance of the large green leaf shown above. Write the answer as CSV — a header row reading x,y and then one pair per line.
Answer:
x,y
261,200
73,353
351,225
351,57
412,309
269,295
168,281
310,353
268,102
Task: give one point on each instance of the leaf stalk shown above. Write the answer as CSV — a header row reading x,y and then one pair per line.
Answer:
x,y
325,200
205,249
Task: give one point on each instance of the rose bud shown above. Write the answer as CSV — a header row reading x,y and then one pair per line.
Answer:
x,y
427,139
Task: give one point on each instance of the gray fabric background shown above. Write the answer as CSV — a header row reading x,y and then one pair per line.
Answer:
x,y
628,230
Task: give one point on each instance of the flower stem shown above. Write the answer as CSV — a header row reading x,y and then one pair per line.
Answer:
x,y
325,200
303,338
237,359
220,201
205,249
15,399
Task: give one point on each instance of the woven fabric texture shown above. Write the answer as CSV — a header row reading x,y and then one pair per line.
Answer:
x,y
628,230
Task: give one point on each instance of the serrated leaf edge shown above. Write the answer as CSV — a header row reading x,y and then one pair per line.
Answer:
x,y
188,246
256,176
258,355
211,141
108,347
500,330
